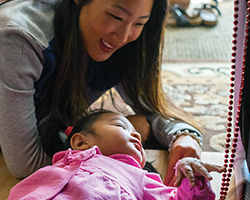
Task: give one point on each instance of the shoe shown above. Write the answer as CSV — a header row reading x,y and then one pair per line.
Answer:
x,y
4,1
209,13
179,17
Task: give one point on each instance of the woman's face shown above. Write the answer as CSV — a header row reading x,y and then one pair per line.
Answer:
x,y
107,25
114,134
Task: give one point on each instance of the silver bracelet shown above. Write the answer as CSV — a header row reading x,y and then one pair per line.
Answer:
x,y
194,135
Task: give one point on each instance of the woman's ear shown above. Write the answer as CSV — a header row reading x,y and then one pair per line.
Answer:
x,y
79,142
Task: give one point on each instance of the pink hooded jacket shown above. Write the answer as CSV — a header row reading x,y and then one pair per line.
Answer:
x,y
91,175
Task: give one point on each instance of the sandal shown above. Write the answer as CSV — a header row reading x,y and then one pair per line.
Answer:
x,y
206,12
179,17
4,1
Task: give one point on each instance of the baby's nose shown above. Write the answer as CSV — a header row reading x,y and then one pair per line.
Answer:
x,y
136,135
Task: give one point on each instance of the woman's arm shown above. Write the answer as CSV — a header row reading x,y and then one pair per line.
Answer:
x,y
20,67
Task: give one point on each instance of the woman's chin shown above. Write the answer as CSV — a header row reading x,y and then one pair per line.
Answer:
x,y
100,58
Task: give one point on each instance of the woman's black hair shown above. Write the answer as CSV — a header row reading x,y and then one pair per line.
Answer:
x,y
52,141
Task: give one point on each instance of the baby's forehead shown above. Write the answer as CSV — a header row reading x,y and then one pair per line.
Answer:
x,y
116,117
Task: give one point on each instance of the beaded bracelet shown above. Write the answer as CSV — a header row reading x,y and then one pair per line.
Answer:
x,y
194,135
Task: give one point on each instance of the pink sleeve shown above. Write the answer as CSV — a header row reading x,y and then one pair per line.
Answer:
x,y
154,189
202,190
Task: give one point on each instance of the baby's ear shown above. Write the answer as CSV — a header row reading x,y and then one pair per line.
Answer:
x,y
79,142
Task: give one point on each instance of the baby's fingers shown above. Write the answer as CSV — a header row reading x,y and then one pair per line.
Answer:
x,y
179,178
185,171
204,169
214,168
191,167
201,170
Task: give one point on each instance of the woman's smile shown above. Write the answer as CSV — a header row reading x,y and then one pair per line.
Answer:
x,y
105,46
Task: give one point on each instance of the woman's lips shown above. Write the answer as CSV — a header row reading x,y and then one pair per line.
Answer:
x,y
105,46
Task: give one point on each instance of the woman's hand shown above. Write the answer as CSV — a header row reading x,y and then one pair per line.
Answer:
x,y
184,146
141,125
191,167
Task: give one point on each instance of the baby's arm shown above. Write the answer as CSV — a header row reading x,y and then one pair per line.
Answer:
x,y
190,167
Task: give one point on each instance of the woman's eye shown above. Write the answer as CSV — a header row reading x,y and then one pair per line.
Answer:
x,y
139,24
116,17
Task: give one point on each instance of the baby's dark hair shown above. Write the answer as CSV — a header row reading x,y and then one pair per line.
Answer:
x,y
53,134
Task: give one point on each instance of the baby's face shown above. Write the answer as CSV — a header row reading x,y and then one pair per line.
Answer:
x,y
116,135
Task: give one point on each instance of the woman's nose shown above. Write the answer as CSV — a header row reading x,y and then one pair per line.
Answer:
x,y
136,135
125,34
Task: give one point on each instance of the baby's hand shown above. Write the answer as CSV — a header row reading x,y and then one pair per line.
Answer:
x,y
190,167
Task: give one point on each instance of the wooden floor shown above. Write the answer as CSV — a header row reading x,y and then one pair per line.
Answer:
x,y
7,181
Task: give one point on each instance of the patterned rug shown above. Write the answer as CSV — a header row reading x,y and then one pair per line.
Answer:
x,y
203,90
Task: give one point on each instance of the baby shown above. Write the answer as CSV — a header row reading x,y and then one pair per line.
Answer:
x,y
105,161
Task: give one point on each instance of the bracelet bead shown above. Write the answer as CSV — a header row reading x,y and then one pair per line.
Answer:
x,y
194,135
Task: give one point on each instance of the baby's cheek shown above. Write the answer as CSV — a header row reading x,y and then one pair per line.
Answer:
x,y
144,158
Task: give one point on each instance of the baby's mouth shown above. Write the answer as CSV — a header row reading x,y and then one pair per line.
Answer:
x,y
138,145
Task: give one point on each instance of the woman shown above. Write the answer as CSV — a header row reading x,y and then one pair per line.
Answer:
x,y
59,57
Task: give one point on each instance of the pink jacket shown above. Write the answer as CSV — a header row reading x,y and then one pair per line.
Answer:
x,y
90,175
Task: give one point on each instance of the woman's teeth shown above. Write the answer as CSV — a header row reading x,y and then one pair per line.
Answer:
x,y
107,44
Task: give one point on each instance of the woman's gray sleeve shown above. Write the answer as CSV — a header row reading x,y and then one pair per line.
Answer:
x,y
163,129
20,67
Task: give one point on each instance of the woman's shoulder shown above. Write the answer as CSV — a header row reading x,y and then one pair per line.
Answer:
x,y
33,17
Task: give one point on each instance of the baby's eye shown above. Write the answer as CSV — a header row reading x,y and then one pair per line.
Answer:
x,y
121,125
116,17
